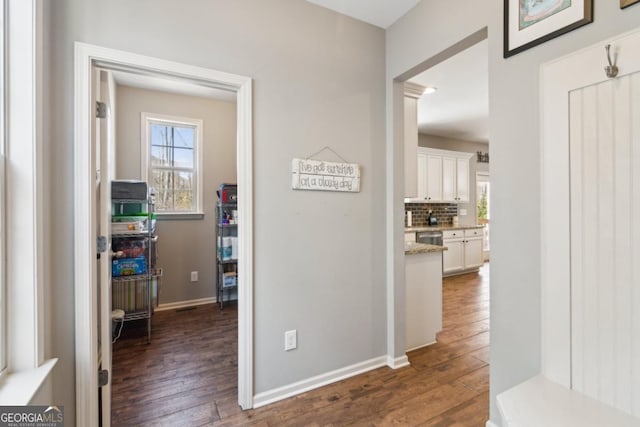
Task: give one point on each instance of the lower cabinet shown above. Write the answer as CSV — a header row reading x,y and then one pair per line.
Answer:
x,y
453,257
464,250
423,293
473,253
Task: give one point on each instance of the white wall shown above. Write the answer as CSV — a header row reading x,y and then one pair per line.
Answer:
x,y
184,245
441,143
319,80
514,136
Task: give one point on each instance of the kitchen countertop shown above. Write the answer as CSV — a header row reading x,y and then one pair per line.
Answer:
x,y
441,228
412,248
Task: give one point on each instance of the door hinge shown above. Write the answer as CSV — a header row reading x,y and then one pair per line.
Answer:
x,y
101,110
101,244
103,378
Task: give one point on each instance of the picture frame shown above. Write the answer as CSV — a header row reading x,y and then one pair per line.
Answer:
x,y
627,3
528,23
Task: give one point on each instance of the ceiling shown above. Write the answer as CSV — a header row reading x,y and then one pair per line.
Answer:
x,y
381,13
459,109
166,84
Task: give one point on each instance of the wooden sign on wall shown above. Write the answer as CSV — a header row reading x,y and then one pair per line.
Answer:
x,y
325,176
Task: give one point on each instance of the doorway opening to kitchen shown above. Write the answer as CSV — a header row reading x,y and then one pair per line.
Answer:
x,y
451,197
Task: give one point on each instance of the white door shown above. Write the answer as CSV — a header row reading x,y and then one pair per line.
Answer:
x,y
605,228
590,223
104,143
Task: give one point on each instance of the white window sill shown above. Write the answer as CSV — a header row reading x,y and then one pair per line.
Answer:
x,y
179,216
18,388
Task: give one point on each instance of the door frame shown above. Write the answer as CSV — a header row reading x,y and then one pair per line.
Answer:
x,y
557,79
85,284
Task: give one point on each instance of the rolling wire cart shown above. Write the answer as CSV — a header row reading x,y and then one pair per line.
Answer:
x,y
227,242
135,279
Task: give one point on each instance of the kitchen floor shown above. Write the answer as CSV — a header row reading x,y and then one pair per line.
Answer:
x,y
187,375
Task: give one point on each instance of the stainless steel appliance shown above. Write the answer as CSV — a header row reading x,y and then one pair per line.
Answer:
x,y
429,237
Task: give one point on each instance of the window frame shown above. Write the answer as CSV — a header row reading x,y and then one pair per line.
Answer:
x,y
3,180
26,350
147,119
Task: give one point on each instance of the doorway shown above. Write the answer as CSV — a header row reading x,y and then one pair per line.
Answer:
x,y
466,208
88,59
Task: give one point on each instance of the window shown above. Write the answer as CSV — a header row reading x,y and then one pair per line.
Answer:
x,y
23,236
483,208
173,162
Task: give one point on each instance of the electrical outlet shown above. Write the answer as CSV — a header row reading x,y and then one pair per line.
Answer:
x,y
290,340
194,276
463,212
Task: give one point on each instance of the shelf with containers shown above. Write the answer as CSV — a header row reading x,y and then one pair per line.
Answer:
x,y
227,242
135,279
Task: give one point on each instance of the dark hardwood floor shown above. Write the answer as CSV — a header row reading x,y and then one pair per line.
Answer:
x,y
187,375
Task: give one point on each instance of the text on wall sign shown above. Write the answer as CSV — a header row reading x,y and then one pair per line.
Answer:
x,y
309,174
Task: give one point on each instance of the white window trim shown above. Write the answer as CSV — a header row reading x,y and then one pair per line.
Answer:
x,y
3,179
146,119
27,368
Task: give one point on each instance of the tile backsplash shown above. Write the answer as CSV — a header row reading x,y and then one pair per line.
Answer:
x,y
420,212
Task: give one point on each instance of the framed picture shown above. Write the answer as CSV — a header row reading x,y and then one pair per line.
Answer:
x,y
626,3
527,23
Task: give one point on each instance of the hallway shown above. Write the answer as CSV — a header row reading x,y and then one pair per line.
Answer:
x,y
187,375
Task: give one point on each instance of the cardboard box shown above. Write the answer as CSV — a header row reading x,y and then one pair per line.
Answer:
x,y
229,279
128,266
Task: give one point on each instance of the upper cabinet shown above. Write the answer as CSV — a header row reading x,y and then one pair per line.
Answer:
x,y
429,177
443,176
455,179
412,92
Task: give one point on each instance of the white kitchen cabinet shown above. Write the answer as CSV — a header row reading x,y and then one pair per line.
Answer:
x,y
453,257
412,92
429,177
422,177
410,237
423,290
462,179
464,250
473,255
449,179
443,176
434,177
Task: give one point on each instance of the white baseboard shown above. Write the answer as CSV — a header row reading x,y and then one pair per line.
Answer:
x,y
422,346
280,393
491,424
398,362
184,304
